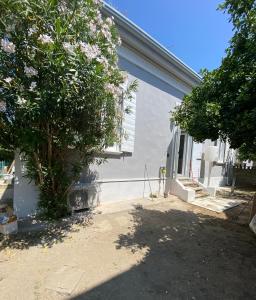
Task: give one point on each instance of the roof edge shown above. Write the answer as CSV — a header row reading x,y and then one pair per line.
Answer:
x,y
162,50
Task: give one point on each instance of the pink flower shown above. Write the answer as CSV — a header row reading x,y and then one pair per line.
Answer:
x,y
45,39
8,46
30,71
8,79
90,51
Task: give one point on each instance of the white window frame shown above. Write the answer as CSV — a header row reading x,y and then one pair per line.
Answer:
x,y
115,149
119,148
128,126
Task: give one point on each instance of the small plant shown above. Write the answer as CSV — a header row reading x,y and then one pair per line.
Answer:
x,y
152,195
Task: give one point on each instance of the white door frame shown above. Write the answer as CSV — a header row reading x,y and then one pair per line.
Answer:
x,y
187,152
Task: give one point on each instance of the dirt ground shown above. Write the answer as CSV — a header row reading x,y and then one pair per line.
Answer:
x,y
167,249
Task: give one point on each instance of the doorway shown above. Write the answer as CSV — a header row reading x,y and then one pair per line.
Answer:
x,y
181,154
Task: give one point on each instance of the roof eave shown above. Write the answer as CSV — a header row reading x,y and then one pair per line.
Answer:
x,y
191,77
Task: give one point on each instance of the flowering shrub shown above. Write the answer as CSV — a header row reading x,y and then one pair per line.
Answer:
x,y
60,86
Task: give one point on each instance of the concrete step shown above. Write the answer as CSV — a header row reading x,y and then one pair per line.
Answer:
x,y
198,189
186,182
184,179
202,195
190,184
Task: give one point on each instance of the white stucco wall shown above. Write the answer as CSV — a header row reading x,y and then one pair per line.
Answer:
x,y
135,175
200,167
25,193
124,177
196,160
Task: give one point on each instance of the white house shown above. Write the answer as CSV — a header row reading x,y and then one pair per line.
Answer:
x,y
156,152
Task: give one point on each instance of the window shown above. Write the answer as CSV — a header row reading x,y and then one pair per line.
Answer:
x,y
181,154
113,149
127,127
128,124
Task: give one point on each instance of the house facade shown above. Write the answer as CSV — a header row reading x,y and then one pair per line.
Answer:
x,y
156,151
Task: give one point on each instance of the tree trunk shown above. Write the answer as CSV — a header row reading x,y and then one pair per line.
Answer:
x,y
39,168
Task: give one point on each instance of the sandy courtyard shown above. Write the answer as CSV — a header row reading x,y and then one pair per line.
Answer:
x,y
162,250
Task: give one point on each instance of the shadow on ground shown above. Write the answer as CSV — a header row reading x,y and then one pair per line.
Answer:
x,y
188,256
44,234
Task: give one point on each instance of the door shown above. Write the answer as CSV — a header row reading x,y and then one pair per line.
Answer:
x,y
181,154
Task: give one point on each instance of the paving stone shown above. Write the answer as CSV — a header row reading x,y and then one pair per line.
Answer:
x,y
216,204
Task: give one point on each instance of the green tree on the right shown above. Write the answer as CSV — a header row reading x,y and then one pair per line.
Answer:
x,y
224,104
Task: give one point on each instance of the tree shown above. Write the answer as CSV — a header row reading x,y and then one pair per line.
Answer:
x,y
60,87
224,104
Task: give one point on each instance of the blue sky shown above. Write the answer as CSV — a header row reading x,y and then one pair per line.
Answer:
x,y
192,29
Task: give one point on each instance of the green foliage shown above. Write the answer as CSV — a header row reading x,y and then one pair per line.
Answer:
x,y
60,85
6,155
225,103
246,154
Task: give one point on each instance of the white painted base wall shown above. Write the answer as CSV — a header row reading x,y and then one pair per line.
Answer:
x,y
25,193
182,192
210,190
128,190
215,181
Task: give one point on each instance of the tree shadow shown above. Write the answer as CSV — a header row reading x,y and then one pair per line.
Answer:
x,y
35,232
44,234
186,256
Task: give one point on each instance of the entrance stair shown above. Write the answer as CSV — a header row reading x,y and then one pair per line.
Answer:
x,y
194,185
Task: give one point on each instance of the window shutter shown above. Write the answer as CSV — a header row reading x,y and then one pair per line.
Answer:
x,y
128,124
